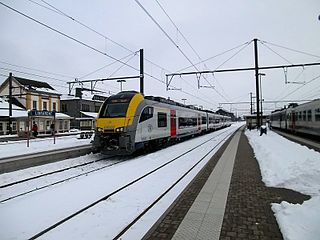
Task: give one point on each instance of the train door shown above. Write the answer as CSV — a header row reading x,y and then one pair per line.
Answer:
x,y
173,124
199,122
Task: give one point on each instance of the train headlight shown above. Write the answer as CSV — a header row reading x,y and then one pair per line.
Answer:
x,y
100,129
120,129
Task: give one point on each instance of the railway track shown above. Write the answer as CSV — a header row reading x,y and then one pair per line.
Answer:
x,y
52,178
138,180
9,164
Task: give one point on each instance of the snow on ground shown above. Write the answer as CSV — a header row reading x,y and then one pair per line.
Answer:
x,y
15,148
286,164
108,217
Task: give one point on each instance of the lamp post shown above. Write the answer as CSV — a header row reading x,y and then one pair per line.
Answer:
x,y
121,81
261,99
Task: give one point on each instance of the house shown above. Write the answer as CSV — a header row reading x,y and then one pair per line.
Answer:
x,y
83,107
35,95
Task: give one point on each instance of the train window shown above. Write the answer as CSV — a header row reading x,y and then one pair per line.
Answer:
x,y
162,119
115,110
317,114
146,114
300,115
204,120
186,122
304,115
309,115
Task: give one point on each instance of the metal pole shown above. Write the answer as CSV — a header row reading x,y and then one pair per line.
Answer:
x,y
28,133
257,79
10,103
251,103
54,128
261,99
141,72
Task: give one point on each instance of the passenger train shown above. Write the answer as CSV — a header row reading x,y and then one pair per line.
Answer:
x,y
129,121
303,118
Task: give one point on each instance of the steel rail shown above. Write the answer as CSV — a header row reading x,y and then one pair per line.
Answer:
x,y
168,190
58,182
118,190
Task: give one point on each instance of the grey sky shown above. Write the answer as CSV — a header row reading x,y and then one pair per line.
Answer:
x,y
211,27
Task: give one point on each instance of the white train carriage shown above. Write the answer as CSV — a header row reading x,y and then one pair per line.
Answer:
x,y
304,118
129,121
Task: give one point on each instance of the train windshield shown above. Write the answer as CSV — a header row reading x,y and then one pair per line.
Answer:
x,y
116,105
115,110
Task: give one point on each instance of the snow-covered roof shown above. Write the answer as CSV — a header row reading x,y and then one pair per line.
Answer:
x,y
16,111
62,116
5,105
38,86
86,95
90,114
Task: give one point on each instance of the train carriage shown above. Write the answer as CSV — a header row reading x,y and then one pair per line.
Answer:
x,y
129,121
303,118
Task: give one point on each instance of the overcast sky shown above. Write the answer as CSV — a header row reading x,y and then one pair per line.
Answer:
x,y
211,27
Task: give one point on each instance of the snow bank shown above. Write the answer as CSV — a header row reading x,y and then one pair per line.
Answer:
x,y
289,165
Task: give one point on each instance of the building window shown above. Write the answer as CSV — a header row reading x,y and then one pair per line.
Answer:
x,y
54,106
14,126
34,105
45,106
96,108
162,119
85,107
47,125
64,108
65,125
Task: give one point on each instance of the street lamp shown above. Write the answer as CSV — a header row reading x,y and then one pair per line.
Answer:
x,y
184,100
261,99
121,81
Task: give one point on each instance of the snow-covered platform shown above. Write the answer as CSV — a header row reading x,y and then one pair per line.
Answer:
x,y
262,187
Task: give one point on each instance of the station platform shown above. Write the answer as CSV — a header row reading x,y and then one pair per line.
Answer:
x,y
227,200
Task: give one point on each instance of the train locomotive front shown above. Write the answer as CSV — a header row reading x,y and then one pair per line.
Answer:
x,y
116,123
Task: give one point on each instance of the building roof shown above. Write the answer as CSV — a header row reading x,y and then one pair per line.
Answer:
x,y
33,83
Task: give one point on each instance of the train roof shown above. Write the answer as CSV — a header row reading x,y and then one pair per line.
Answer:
x,y
296,105
130,94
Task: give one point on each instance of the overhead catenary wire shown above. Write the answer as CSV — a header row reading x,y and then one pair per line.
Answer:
x,y
193,49
105,66
38,70
62,13
298,88
66,35
263,44
173,42
294,50
58,11
82,43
